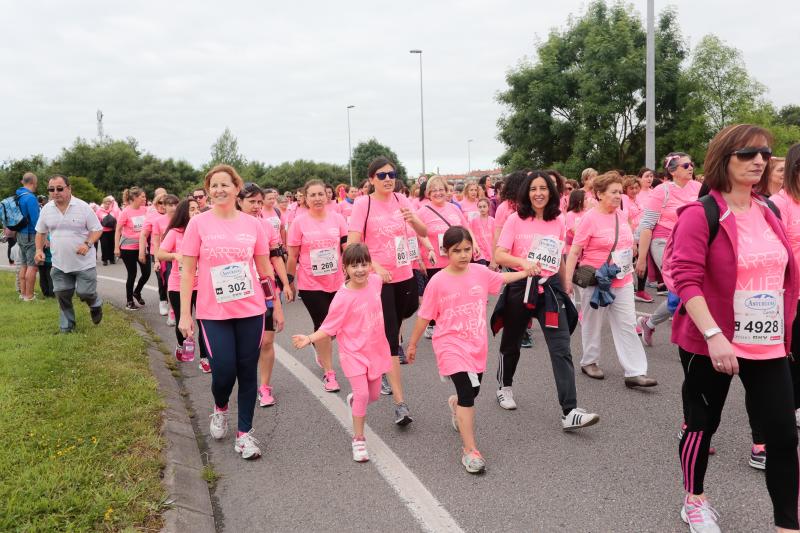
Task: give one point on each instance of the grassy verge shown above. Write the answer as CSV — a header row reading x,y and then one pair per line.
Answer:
x,y
79,442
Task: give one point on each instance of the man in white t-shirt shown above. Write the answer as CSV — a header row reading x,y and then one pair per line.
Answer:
x,y
74,229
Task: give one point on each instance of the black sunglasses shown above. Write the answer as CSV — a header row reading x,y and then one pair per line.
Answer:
x,y
383,175
199,196
686,166
749,153
56,189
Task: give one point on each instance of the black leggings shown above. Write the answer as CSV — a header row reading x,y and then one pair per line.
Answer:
x,y
317,303
768,384
465,390
161,278
131,259
399,300
45,281
107,246
175,302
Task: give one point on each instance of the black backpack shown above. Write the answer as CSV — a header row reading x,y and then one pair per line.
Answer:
x,y
109,221
712,214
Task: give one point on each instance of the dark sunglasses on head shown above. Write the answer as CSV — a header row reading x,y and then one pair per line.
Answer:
x,y
56,189
750,152
383,175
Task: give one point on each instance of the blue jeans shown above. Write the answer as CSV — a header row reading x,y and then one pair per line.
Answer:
x,y
65,284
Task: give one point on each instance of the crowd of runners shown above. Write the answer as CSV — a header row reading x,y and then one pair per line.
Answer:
x,y
720,251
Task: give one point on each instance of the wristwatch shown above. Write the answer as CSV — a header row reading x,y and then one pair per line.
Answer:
x,y
710,332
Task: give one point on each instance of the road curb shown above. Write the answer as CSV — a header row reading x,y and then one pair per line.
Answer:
x,y
188,496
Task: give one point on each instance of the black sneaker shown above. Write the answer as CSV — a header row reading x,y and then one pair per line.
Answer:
x,y
138,298
131,306
662,290
402,416
96,313
527,340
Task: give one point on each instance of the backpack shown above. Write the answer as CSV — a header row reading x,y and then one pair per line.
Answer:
x,y
109,221
711,209
11,213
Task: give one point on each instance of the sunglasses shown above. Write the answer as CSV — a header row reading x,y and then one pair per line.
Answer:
x,y
749,153
568,188
383,175
686,166
199,196
56,189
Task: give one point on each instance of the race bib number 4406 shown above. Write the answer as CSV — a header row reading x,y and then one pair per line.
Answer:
x,y
546,250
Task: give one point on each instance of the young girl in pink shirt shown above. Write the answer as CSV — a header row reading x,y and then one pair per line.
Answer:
x,y
456,299
355,312
483,230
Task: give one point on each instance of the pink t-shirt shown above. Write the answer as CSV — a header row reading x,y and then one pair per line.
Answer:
x,y
642,197
678,196
102,213
519,237
271,216
294,214
172,244
152,223
470,209
131,221
790,216
761,266
431,216
345,208
458,305
572,219
634,211
353,316
273,236
385,229
320,243
483,229
503,211
217,242
595,234
332,207
157,226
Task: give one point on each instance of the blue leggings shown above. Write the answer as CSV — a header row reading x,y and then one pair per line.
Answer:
x,y
233,349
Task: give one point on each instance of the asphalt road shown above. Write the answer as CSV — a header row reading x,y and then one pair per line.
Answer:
x,y
620,475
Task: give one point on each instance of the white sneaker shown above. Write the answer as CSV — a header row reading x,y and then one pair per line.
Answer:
x,y
163,308
578,418
429,332
506,398
171,318
219,424
247,445
701,517
360,454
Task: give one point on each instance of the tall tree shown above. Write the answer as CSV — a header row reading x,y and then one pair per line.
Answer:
x,y
225,150
291,175
365,152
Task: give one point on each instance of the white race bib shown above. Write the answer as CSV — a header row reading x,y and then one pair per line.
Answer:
x,y
413,249
758,317
232,282
624,260
442,251
546,250
138,222
324,261
402,256
472,215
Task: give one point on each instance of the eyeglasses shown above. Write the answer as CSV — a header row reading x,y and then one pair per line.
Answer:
x,y
750,152
686,166
568,188
383,175
159,203
198,196
56,189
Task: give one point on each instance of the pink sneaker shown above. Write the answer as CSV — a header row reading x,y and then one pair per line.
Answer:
x,y
647,332
265,398
329,381
204,365
642,296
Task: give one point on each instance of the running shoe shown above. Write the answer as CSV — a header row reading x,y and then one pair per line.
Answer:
x,y
329,381
130,306
758,457
578,418
429,332
247,445
163,308
265,398
171,318
360,454
643,296
219,424
662,290
178,353
701,517
401,353
402,416
138,297
647,331
797,417
451,402
505,397
527,340
473,462
96,313
386,389
204,365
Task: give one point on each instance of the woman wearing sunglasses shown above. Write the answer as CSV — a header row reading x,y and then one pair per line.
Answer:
x,y
658,219
739,293
381,220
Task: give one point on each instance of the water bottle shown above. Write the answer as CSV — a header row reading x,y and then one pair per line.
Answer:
x,y
188,349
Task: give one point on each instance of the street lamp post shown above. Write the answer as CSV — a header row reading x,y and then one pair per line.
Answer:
x,y
421,107
349,145
469,156
650,89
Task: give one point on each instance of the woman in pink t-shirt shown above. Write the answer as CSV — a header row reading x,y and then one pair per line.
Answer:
x,y
108,207
315,241
483,229
508,202
228,251
469,205
738,294
386,223
126,246
150,240
604,235
251,202
355,312
169,253
631,186
646,182
273,214
457,297
534,235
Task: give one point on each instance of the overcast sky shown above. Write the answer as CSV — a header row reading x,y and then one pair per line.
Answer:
x,y
174,74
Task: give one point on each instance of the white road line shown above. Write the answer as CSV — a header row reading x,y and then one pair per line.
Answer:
x,y
120,280
430,513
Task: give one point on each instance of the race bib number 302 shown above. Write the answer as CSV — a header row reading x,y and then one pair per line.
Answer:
x,y
232,282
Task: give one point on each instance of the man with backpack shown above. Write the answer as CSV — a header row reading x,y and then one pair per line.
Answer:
x,y
26,236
